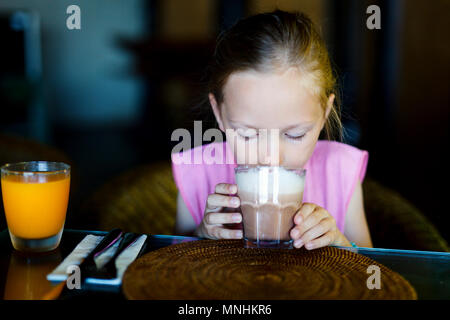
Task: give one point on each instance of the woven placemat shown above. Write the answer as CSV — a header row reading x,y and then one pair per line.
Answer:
x,y
223,269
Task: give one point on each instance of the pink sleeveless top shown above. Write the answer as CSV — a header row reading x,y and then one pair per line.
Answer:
x,y
331,176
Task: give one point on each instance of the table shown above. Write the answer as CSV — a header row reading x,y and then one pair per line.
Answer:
x,y
24,276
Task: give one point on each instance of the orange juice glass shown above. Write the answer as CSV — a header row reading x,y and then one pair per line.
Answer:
x,y
35,197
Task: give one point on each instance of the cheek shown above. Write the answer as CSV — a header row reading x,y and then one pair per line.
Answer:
x,y
297,154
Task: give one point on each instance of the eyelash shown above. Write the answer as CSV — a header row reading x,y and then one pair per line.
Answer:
x,y
299,138
246,138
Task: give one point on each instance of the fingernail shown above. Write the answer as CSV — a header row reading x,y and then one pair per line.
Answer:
x,y
295,233
236,217
298,220
309,246
235,201
238,234
233,189
298,243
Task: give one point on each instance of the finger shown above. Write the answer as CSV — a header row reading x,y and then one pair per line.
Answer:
x,y
230,234
222,233
323,241
218,200
305,210
226,188
315,232
222,218
312,220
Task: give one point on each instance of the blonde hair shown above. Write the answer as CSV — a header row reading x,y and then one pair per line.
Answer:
x,y
277,41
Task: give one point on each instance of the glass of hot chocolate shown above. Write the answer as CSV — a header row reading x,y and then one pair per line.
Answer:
x,y
270,196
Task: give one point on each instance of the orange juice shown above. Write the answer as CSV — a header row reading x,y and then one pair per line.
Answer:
x,y
35,210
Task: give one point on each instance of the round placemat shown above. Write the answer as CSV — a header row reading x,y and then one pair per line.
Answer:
x,y
223,269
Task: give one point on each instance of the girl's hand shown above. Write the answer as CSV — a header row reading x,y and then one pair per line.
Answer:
x,y
217,214
315,227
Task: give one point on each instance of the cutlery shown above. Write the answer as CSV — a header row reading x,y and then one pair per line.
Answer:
x,y
143,248
88,263
109,270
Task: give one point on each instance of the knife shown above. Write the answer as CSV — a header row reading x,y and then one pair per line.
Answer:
x,y
88,262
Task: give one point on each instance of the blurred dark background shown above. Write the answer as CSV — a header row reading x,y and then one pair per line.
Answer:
x,y
107,97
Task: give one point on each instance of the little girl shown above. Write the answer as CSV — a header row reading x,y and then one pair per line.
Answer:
x,y
272,71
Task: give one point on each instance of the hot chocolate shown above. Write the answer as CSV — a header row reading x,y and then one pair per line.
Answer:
x,y
270,197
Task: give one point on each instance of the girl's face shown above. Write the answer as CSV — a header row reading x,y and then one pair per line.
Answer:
x,y
254,100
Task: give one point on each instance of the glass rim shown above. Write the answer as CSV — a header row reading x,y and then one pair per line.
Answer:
x,y
8,168
240,168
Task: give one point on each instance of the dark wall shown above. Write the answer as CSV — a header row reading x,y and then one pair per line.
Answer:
x,y
134,73
423,105
402,99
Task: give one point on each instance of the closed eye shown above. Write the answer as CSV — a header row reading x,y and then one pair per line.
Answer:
x,y
295,137
247,134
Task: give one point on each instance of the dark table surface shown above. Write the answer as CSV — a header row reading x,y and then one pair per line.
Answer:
x,y
24,276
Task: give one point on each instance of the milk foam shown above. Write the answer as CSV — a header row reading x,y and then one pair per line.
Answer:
x,y
281,180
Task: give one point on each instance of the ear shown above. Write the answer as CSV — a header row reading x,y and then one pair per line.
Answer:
x,y
329,105
328,109
216,110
